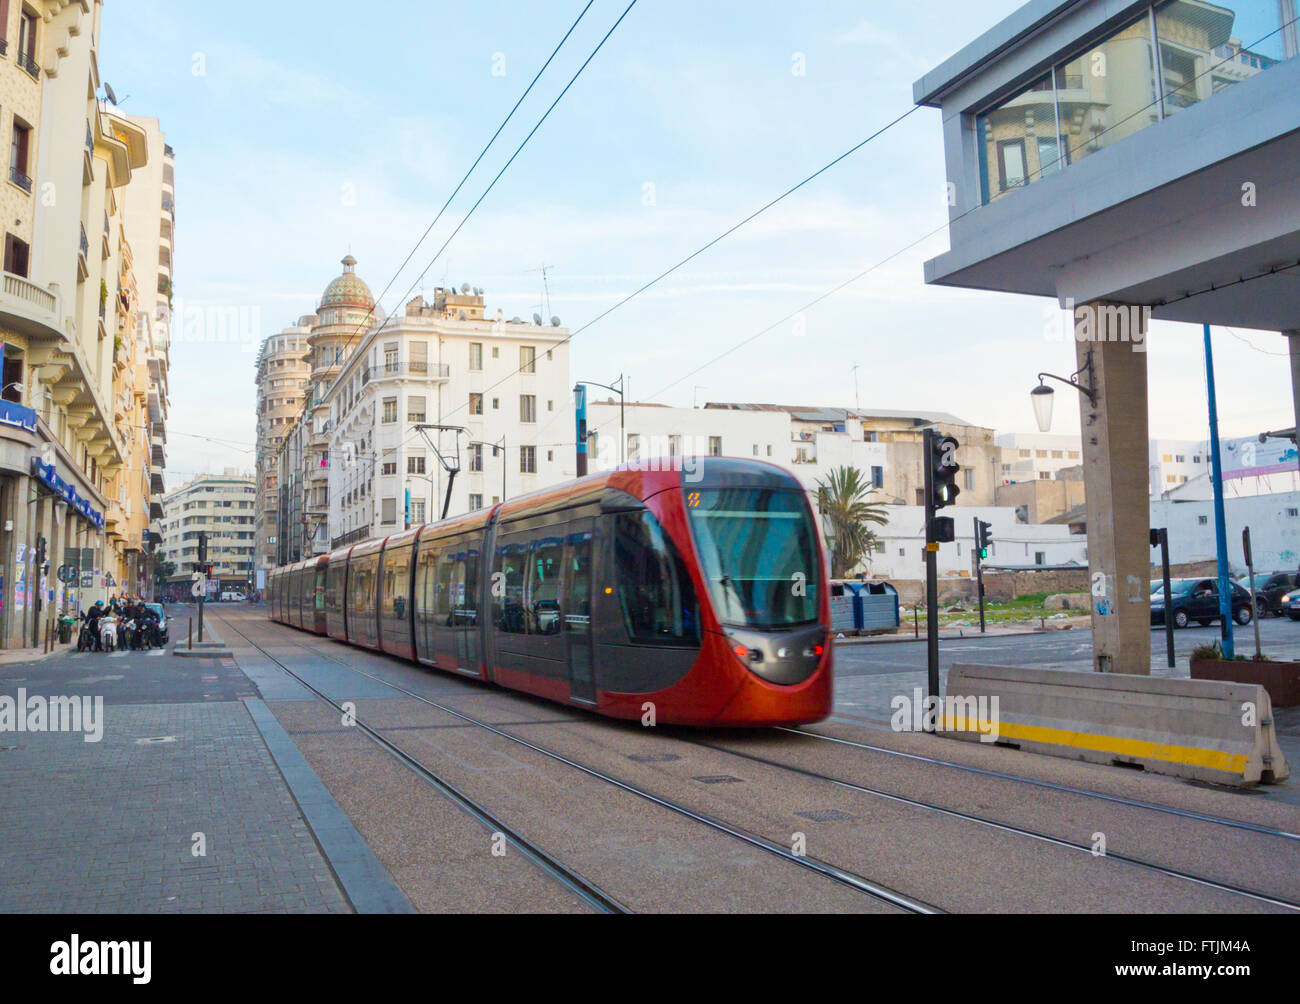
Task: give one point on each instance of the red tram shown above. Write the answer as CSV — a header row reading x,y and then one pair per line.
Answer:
x,y
703,593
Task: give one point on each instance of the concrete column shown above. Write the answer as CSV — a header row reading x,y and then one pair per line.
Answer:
x,y
1115,474
1294,338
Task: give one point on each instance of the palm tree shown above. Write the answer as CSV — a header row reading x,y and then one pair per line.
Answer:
x,y
844,500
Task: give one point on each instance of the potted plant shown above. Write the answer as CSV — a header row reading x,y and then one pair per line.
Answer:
x,y
1280,679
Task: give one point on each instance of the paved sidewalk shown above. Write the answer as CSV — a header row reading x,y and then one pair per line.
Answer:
x,y
114,825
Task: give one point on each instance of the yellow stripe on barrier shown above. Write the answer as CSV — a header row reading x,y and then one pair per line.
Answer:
x,y
1193,756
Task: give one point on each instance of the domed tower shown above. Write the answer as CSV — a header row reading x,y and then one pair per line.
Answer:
x,y
347,311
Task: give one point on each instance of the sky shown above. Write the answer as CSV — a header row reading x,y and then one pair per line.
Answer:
x,y
344,132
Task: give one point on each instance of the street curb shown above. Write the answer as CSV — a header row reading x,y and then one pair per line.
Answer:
x,y
895,640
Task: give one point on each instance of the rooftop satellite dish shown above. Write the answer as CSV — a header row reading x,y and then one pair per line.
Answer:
x,y
537,319
515,320
478,291
108,91
465,289
555,322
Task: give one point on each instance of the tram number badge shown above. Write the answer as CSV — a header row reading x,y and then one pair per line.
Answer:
x,y
693,500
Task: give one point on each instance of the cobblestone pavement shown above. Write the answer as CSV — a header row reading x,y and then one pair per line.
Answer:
x,y
114,826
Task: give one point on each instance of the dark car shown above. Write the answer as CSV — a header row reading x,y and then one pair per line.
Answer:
x,y
1198,600
1270,587
1290,605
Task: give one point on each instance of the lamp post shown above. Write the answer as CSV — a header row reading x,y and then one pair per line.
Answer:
x,y
1043,397
622,411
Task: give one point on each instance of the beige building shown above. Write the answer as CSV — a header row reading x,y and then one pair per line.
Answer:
x,y
282,377
76,451
902,433
225,507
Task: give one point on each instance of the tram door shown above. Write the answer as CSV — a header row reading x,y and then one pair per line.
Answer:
x,y
577,584
465,615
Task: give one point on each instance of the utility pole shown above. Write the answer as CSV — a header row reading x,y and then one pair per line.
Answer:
x,y
983,540
580,415
1160,539
1250,577
201,582
1220,516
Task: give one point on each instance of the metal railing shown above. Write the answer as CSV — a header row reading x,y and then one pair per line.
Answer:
x,y
438,371
29,64
20,179
85,243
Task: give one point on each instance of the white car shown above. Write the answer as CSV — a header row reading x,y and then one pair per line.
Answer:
x,y
232,597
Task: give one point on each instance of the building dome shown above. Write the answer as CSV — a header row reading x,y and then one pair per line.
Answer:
x,y
348,290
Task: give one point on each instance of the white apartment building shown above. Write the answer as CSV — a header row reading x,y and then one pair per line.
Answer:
x,y
1274,522
1175,462
802,445
502,385
223,505
1036,456
900,552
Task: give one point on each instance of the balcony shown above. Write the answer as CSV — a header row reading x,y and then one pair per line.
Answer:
x,y
20,179
28,63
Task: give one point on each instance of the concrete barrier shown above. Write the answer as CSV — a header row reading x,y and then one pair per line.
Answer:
x,y
1209,731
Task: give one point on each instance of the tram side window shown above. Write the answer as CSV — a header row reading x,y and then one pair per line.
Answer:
x,y
544,587
508,590
425,582
466,596
396,578
443,589
333,580
654,588
363,589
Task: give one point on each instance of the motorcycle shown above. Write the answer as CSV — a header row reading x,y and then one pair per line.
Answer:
x,y
108,633
130,634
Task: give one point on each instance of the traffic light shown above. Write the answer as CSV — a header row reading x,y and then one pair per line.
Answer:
x,y
983,538
203,547
944,469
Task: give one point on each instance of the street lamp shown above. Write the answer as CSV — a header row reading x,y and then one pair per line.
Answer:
x,y
622,409
1043,397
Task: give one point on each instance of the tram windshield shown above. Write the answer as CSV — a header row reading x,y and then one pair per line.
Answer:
x,y
758,548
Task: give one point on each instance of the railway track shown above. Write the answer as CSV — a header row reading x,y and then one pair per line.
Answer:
x,y
843,876
1007,827
850,878
1050,785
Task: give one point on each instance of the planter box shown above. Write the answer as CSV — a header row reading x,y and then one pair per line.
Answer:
x,y
1280,679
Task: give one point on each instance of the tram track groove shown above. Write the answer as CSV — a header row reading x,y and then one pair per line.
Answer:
x,y
1049,785
999,825
550,865
843,876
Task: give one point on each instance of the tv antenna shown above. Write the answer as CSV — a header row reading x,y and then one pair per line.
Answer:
x,y
546,287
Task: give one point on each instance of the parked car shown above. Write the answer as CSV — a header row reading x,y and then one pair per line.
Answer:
x,y
1270,587
1198,600
232,596
1290,605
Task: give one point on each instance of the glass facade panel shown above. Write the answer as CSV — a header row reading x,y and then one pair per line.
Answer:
x,y
1128,81
1109,92
1207,47
1009,139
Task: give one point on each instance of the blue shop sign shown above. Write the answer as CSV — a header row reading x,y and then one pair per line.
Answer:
x,y
19,415
48,476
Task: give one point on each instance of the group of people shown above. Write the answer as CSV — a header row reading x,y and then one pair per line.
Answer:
x,y
125,623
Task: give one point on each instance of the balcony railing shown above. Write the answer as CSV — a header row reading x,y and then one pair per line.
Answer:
x,y
90,139
85,243
435,371
20,179
22,289
4,47
29,64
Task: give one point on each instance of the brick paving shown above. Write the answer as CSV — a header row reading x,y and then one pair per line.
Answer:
x,y
109,827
